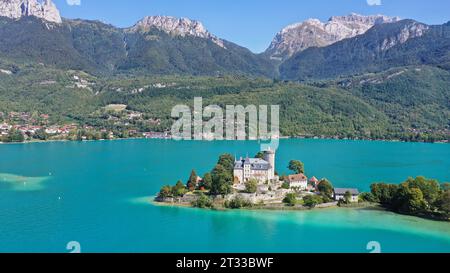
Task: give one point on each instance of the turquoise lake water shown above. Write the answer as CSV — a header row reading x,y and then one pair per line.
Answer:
x,y
97,193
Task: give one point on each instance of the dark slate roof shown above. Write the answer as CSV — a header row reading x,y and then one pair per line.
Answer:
x,y
342,191
255,164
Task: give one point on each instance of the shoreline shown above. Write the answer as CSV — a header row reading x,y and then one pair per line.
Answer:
x,y
281,138
271,207
360,206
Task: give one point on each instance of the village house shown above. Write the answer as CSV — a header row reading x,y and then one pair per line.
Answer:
x,y
297,181
4,129
313,182
28,129
52,130
156,135
262,170
134,115
339,194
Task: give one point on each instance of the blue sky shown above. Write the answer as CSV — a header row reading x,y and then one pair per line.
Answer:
x,y
250,23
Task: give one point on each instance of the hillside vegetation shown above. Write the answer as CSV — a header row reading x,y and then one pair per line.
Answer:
x,y
349,109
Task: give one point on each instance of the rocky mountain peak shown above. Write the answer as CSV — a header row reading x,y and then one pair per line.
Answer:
x,y
314,33
355,18
44,9
175,26
410,30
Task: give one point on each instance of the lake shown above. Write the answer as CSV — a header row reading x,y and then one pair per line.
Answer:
x,y
98,194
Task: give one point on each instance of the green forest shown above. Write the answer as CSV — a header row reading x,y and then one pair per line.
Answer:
x,y
375,107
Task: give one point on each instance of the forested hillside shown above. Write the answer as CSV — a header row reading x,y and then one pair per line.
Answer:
x,y
102,49
357,108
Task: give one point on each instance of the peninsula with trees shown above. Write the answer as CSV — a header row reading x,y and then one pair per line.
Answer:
x,y
253,183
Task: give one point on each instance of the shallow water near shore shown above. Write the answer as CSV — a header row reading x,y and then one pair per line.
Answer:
x,y
98,194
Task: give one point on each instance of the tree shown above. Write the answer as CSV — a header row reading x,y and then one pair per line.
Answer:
x,y
347,197
222,181
283,177
384,193
227,161
207,181
165,191
203,201
312,200
179,189
290,199
296,166
429,187
445,186
40,134
14,136
251,186
192,182
259,155
285,186
104,135
237,203
416,201
367,197
443,202
325,188
408,200
409,197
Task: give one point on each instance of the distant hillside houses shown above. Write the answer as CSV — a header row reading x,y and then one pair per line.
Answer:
x,y
4,129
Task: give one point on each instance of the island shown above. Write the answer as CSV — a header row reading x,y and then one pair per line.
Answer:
x,y
253,183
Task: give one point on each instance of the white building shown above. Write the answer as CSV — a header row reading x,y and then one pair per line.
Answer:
x,y
263,170
339,194
298,181
5,127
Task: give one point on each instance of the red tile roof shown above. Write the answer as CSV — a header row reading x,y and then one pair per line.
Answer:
x,y
313,179
297,177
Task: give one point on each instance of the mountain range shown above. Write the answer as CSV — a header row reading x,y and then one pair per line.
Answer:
x,y
33,31
314,33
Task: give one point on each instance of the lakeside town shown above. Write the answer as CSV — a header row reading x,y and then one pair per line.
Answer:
x,y
253,183
116,123
28,127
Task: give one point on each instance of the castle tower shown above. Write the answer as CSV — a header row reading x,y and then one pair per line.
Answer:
x,y
269,156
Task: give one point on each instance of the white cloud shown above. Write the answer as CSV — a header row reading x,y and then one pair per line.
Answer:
x,y
73,2
374,2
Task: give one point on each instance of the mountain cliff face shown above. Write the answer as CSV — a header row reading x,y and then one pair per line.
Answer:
x,y
16,9
385,46
314,33
409,31
175,26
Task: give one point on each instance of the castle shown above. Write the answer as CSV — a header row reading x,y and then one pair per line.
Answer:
x,y
263,170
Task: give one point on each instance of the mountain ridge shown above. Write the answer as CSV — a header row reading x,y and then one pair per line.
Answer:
x,y
44,9
300,36
169,45
99,48
403,43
